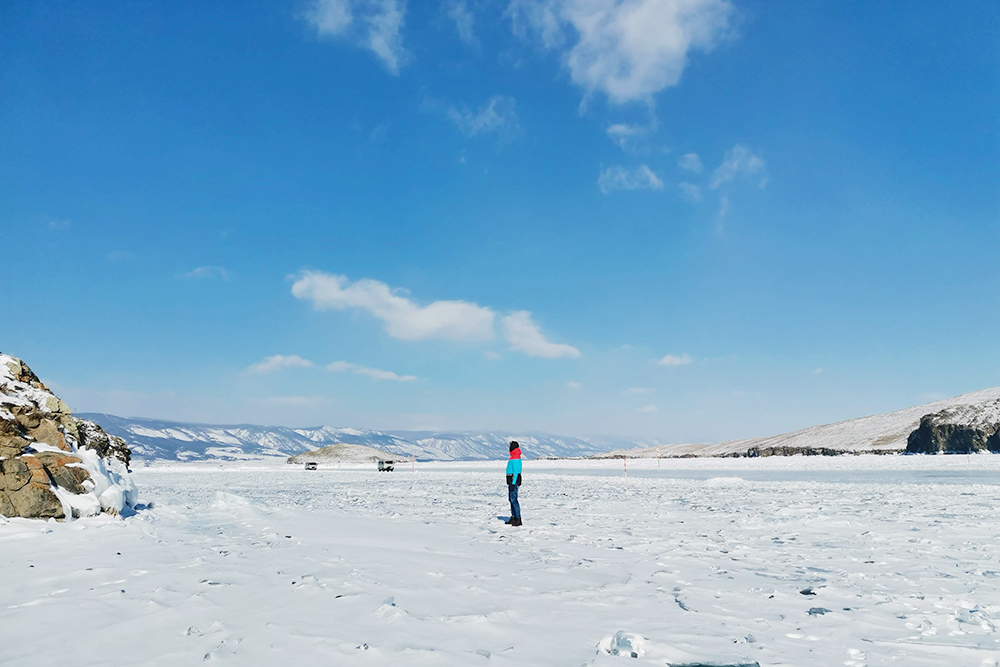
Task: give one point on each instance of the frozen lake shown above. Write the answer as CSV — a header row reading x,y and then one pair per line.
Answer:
x,y
780,561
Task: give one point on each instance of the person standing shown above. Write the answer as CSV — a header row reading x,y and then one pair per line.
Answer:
x,y
513,482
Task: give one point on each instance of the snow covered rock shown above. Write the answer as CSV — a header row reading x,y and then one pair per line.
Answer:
x,y
624,644
964,429
52,464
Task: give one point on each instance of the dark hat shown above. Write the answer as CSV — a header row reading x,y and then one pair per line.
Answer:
x,y
514,445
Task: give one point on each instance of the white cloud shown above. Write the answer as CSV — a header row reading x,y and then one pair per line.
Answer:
x,y
818,371
675,360
646,410
345,367
374,24
384,37
619,178
626,136
691,192
738,161
690,162
497,115
573,384
403,319
641,390
458,11
207,272
278,362
60,225
492,356
627,49
524,336
330,17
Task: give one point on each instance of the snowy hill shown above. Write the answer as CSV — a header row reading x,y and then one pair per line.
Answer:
x,y
884,433
342,452
155,439
326,435
152,439
493,445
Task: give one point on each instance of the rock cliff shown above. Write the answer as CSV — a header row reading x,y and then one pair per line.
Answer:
x,y
52,464
961,430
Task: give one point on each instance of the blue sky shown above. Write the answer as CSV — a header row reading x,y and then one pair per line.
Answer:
x,y
683,220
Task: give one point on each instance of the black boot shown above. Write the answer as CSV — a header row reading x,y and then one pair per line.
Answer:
x,y
515,521
509,521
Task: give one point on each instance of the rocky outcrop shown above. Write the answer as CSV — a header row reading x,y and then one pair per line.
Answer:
x,y
53,465
963,430
784,450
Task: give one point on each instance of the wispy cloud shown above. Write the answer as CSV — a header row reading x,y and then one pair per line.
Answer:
x,y
402,317
373,24
690,192
675,360
738,161
330,17
640,390
459,12
375,373
573,384
59,225
720,217
278,362
619,178
646,410
525,336
631,137
626,50
690,162
207,272
498,115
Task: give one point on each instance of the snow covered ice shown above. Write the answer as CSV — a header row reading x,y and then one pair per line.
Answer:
x,y
857,561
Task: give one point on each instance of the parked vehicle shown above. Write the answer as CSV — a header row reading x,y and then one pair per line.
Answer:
x,y
385,466
311,465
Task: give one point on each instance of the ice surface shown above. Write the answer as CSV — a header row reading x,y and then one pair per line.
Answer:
x,y
699,562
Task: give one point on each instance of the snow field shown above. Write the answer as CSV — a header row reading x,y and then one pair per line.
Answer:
x,y
273,565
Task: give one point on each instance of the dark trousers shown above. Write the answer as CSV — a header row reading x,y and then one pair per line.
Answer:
x,y
515,507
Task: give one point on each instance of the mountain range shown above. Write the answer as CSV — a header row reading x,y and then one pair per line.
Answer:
x,y
152,439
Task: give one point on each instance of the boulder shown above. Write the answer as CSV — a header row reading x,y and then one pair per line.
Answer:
x,y
962,430
53,465
35,498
